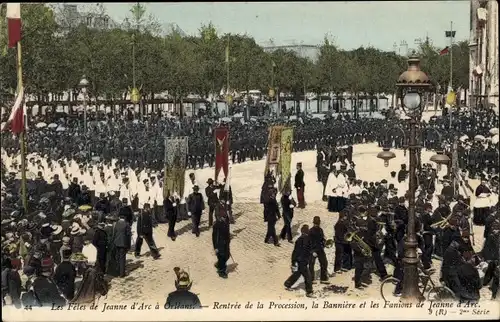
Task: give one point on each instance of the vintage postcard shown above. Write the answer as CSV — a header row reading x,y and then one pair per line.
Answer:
x,y
216,161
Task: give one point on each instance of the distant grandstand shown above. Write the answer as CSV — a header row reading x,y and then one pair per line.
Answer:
x,y
303,50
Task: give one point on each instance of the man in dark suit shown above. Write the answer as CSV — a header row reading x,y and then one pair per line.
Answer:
x,y
122,241
212,200
145,231
196,205
300,185
126,211
221,239
300,261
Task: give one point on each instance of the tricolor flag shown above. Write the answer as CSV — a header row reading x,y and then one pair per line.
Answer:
x,y
16,119
14,23
445,51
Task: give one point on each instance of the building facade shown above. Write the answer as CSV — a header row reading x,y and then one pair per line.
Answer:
x,y
483,62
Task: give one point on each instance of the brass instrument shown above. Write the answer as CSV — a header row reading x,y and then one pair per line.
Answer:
x,y
365,248
442,223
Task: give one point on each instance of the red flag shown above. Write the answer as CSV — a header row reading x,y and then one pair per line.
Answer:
x,y
14,23
444,51
221,151
16,118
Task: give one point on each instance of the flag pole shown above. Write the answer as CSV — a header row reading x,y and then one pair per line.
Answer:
x,y
22,136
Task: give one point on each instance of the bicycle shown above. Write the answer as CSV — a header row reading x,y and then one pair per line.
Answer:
x,y
434,293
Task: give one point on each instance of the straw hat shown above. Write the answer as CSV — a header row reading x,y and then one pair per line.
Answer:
x,y
56,229
77,230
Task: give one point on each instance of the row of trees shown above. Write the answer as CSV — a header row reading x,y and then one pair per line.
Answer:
x,y
56,54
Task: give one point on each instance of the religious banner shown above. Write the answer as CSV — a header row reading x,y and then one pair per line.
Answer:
x,y
176,150
273,148
221,151
285,159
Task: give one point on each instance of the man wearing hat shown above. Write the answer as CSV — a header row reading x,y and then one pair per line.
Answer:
x,y
300,185
221,239
145,225
196,205
182,298
122,239
403,173
65,276
212,200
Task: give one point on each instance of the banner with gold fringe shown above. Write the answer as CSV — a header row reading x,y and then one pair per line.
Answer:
x,y
285,159
273,148
176,150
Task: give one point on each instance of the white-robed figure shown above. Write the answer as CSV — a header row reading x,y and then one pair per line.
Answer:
x,y
146,194
482,204
337,190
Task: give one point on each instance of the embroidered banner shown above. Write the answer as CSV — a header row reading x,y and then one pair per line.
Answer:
x,y
273,148
176,150
221,151
285,159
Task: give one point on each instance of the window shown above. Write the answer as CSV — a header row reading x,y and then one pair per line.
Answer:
x,y
106,21
89,21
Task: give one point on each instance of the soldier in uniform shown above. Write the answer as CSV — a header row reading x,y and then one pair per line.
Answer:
x,y
211,199
318,243
300,185
300,261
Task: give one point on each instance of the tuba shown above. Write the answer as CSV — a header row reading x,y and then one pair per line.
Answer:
x,y
352,236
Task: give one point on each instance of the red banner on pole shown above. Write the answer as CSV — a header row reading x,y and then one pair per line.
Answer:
x,y
221,151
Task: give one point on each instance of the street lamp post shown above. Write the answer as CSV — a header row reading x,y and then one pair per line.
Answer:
x,y
84,83
411,85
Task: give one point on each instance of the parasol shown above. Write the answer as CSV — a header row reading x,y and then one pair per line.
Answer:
x,y
61,129
40,125
85,208
494,139
225,119
52,125
494,131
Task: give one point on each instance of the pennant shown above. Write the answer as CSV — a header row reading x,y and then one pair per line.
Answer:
x,y
444,51
14,23
16,119
286,159
221,151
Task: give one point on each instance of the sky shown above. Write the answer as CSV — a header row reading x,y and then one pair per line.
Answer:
x,y
351,24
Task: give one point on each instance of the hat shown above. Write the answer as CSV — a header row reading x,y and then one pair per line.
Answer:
x,y
210,181
68,212
46,230
31,226
299,164
7,221
101,225
66,239
77,230
183,281
383,181
56,229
